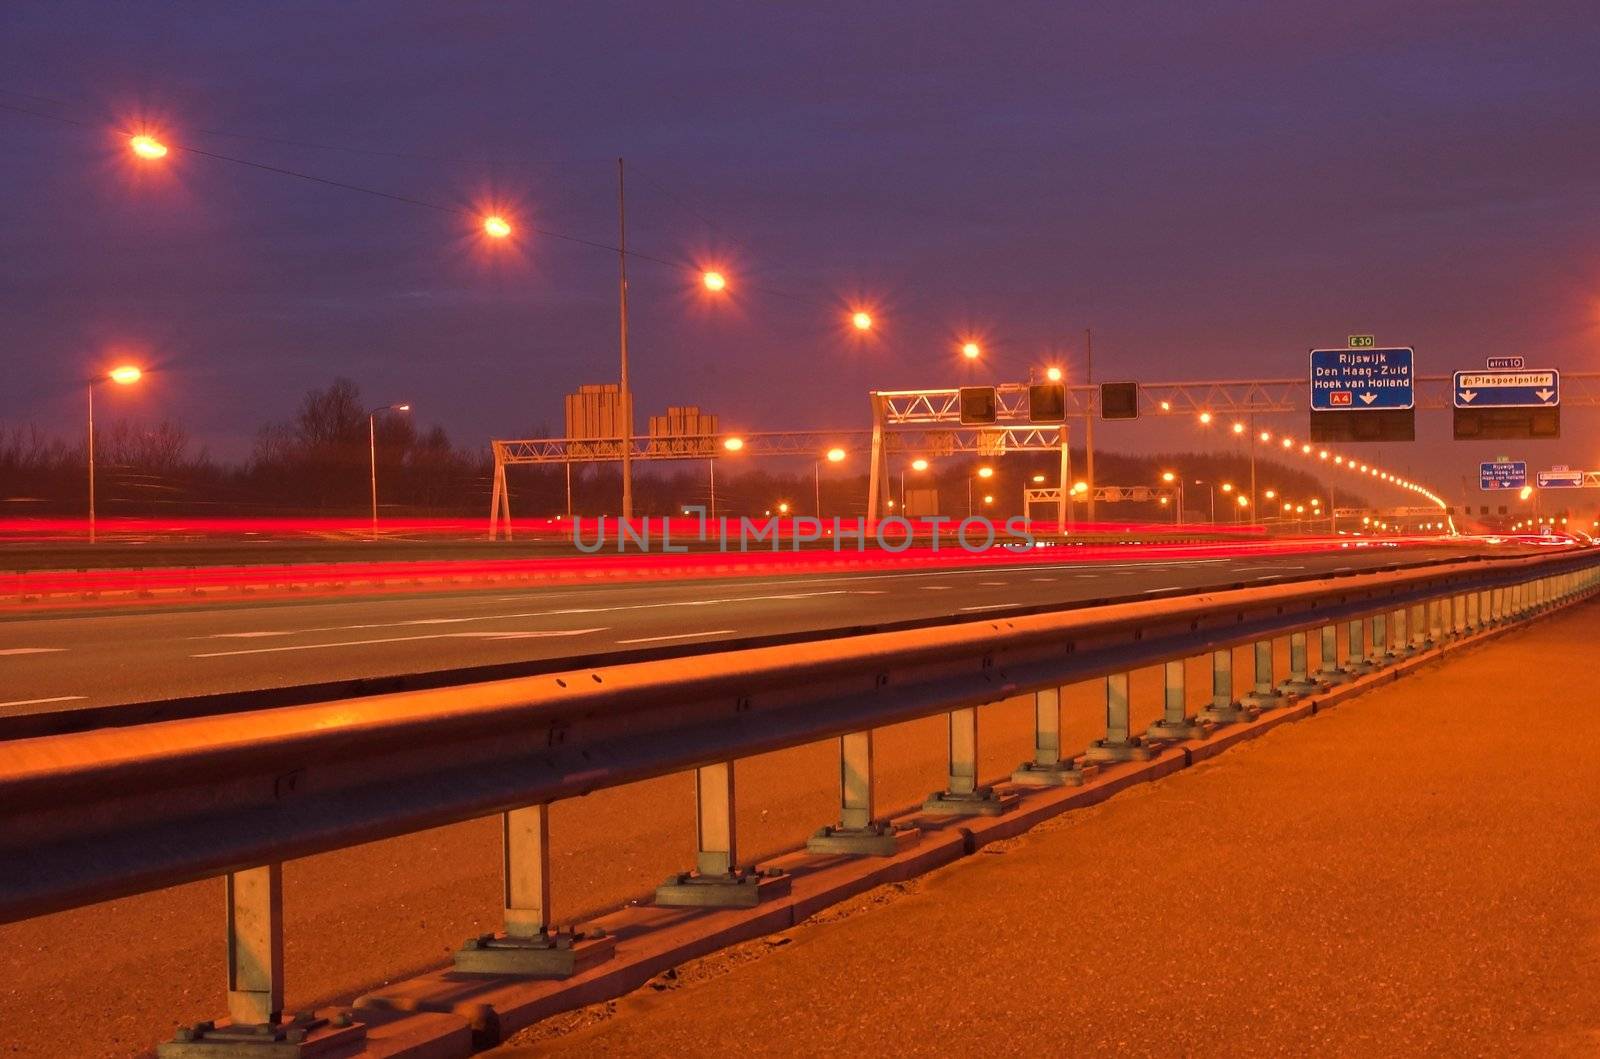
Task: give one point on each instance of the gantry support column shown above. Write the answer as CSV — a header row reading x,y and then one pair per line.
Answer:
x,y
859,831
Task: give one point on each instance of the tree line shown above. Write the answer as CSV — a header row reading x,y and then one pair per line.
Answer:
x,y
317,463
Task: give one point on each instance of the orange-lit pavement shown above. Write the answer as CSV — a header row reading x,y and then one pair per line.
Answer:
x,y
1413,872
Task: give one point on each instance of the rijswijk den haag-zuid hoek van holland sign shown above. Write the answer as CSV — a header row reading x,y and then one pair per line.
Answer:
x,y
1355,379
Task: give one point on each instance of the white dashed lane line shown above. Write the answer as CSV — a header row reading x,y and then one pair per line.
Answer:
x,y
29,651
679,636
398,639
40,702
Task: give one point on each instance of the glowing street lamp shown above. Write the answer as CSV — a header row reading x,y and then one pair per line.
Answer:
x,y
147,147
1053,374
122,375
733,444
919,464
1205,418
861,320
985,472
372,454
714,281
783,507
833,455
496,226
971,350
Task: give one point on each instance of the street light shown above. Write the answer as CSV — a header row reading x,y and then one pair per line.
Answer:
x,y
714,281
146,146
861,320
122,375
970,350
372,454
985,472
1053,374
496,226
833,455
919,465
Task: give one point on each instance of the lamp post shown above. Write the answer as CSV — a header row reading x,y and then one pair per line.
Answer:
x,y
833,455
372,454
919,465
122,375
1175,478
983,472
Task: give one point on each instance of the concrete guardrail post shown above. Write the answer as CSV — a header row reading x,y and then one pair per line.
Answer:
x,y
718,880
1176,721
859,831
1047,769
529,947
963,796
1119,744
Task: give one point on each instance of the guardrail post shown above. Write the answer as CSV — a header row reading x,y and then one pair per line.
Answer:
x,y
1358,662
1300,681
255,983
1265,695
1436,621
1330,671
1400,623
718,880
1497,606
1475,614
1224,708
1378,653
1119,744
964,796
858,830
255,945
1047,769
1176,722
529,947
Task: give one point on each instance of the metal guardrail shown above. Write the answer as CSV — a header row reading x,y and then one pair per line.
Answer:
x,y
90,816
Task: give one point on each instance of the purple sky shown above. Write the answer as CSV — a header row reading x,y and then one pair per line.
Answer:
x,y
1213,192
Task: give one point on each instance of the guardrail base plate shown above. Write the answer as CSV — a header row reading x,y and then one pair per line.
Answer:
x,y
1232,713
1133,750
878,840
744,888
559,955
981,802
293,1037
1061,774
1189,728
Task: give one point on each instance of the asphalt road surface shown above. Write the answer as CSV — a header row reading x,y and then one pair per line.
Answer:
x,y
62,663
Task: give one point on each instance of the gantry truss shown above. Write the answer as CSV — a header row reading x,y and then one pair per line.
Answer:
x,y
928,422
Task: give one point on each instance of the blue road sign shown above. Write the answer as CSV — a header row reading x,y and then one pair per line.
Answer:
x,y
1508,389
1506,363
1560,479
1345,379
1503,474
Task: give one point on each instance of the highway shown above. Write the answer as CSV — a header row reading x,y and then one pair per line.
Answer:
x,y
61,663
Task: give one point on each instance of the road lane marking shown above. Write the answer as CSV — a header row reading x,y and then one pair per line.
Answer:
x,y
934,588
29,650
995,606
541,613
678,636
41,702
396,639
991,584
1050,580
